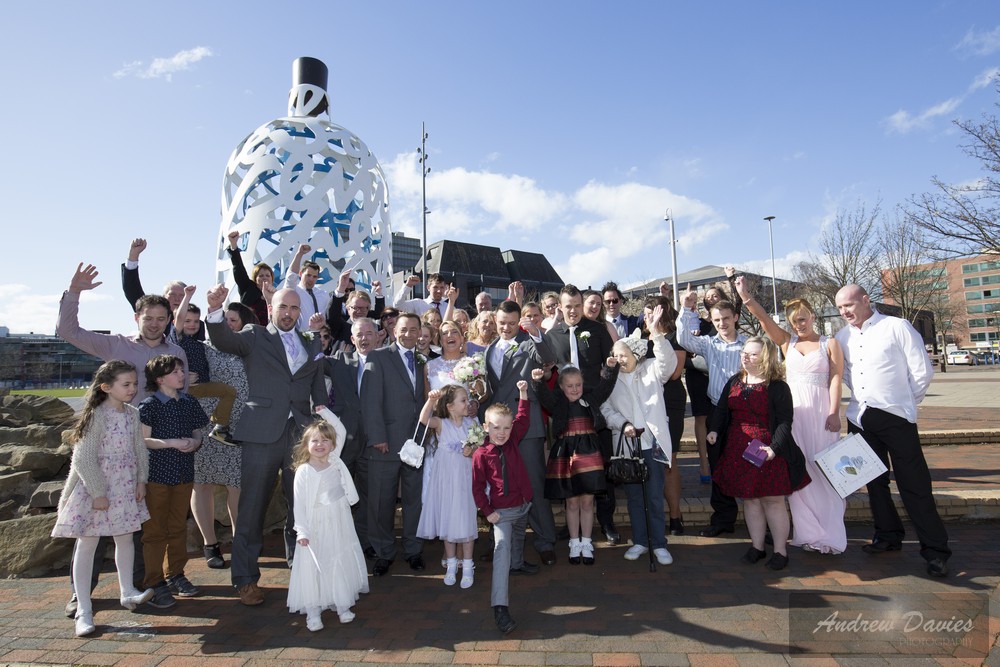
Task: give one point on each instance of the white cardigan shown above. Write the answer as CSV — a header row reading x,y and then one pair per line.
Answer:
x,y
643,397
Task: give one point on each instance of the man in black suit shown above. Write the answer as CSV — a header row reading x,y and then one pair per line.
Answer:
x,y
587,345
392,393
345,370
285,374
613,302
509,359
132,286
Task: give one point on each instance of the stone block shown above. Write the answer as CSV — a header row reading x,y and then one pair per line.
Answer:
x,y
27,548
41,463
46,495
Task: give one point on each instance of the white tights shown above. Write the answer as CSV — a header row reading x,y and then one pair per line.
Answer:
x,y
83,564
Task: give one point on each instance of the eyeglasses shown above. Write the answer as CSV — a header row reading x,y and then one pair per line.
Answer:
x,y
611,301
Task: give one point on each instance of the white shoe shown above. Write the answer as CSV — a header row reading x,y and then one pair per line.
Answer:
x,y
449,576
346,617
84,623
468,576
314,623
663,556
135,598
635,551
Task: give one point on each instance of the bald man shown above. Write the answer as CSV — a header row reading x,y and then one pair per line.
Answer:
x,y
888,371
285,375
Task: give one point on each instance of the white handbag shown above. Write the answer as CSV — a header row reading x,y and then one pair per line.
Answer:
x,y
412,454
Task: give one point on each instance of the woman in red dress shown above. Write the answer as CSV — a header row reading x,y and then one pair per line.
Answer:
x,y
756,404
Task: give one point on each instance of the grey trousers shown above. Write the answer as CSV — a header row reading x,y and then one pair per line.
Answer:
x,y
384,479
258,473
540,517
508,550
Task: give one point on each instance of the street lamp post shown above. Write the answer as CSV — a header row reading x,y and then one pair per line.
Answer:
x,y
774,278
424,170
669,217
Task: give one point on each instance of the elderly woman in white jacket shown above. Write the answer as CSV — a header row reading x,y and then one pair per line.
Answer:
x,y
637,403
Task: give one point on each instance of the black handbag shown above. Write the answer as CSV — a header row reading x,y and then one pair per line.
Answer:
x,y
627,467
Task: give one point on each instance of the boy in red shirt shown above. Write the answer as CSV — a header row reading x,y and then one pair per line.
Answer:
x,y
498,465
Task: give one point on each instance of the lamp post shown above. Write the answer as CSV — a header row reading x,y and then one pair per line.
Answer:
x,y
424,170
669,217
774,278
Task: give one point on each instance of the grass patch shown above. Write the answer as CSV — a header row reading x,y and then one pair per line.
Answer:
x,y
58,393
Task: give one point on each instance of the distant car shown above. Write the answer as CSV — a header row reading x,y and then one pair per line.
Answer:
x,y
962,358
986,357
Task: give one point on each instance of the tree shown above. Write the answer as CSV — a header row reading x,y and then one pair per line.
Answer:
x,y
910,280
964,219
849,254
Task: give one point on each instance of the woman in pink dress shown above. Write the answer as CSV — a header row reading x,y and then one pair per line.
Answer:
x,y
814,369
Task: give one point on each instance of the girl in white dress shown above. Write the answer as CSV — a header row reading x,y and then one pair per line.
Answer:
x,y
449,512
330,570
106,488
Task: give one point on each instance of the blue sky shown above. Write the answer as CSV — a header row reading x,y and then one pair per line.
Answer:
x,y
563,127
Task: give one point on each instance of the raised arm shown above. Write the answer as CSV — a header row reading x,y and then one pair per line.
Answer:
x,y
182,310
249,292
688,321
452,296
130,274
737,297
427,412
780,337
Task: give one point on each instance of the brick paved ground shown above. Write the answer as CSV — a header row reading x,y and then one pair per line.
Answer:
x,y
705,609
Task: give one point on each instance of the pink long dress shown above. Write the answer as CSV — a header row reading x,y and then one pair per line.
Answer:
x,y
817,509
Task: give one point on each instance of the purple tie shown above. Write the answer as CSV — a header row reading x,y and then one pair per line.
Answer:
x,y
409,361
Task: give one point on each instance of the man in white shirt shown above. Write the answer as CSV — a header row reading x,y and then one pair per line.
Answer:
x,y
303,280
888,371
436,288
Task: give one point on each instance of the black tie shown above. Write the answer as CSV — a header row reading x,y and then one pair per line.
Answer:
x,y
313,297
503,472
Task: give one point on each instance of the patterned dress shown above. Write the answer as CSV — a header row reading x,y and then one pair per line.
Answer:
x,y
575,463
215,463
749,416
77,516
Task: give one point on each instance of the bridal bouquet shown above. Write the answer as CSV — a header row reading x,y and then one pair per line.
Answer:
x,y
471,371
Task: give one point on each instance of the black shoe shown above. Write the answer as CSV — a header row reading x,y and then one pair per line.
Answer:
x,y
677,526
213,556
370,553
416,563
715,531
611,534
879,546
778,562
503,620
548,557
381,567
753,555
937,568
526,568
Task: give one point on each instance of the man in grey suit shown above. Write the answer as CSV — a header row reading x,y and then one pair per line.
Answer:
x,y
345,370
392,393
509,359
285,371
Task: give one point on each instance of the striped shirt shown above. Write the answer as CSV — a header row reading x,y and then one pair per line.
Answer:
x,y
723,358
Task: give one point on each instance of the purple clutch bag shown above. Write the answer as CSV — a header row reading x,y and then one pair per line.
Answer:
x,y
754,454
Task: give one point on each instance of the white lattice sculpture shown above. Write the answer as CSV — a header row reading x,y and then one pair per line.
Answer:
x,y
302,179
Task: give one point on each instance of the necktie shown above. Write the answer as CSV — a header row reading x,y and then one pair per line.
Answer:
x,y
503,472
437,306
313,297
361,371
409,362
291,349
574,352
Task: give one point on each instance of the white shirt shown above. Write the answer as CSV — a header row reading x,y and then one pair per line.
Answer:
x,y
322,299
417,306
885,367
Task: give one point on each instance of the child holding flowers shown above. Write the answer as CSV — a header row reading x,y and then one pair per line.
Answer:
x,y
449,512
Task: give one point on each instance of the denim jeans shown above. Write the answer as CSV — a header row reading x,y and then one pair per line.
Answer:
x,y
654,503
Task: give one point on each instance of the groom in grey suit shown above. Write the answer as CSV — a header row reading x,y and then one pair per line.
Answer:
x,y
511,358
392,394
285,372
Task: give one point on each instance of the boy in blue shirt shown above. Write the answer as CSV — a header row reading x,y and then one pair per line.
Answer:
x,y
171,424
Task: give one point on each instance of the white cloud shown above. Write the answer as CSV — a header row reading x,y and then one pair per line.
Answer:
x,y
903,121
598,229
164,67
784,267
24,311
980,43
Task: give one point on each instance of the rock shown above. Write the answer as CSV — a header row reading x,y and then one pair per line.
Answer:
x,y
38,435
41,463
33,409
16,485
27,548
46,495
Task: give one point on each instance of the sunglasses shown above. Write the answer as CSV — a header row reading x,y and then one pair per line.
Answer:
x,y
611,301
